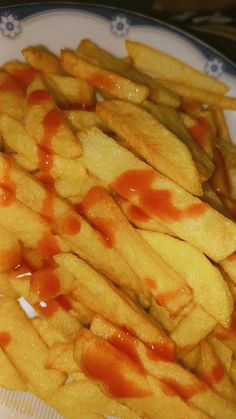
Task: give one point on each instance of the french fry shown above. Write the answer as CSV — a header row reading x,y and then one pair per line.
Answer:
x,y
210,290
169,117
81,237
46,123
80,120
98,56
168,67
227,335
138,218
47,332
229,266
10,250
210,196
213,373
162,316
92,290
85,315
204,96
26,351
42,60
182,382
143,393
191,358
61,358
233,371
130,177
192,329
9,377
92,402
199,130
70,92
22,72
168,288
6,288
222,352
109,82
152,141
222,131
12,96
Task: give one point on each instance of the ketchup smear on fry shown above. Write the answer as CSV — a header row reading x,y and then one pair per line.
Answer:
x,y
154,202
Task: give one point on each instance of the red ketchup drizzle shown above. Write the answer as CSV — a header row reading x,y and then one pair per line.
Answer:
x,y
69,225
10,85
45,283
102,81
222,333
24,75
48,246
136,214
106,226
189,106
125,342
172,387
103,362
38,98
5,339
64,302
154,202
200,132
214,376
7,185
47,309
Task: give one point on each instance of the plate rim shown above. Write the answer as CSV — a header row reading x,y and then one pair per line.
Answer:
x,y
203,46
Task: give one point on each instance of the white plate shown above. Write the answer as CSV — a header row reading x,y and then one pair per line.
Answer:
x,y
64,25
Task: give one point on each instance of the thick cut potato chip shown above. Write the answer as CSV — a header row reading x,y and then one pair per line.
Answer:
x,y
168,67
109,82
61,358
222,352
49,334
80,120
152,141
100,57
22,72
190,218
42,60
10,250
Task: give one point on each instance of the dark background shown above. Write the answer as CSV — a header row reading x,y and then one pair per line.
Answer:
x,y
213,21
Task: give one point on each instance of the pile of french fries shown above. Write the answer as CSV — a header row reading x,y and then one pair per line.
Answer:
x,y
117,231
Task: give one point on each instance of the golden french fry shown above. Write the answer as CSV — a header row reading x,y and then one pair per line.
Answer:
x,y
49,334
92,290
222,131
152,141
192,329
199,130
210,290
213,200
26,350
162,316
187,216
10,250
107,81
6,288
61,358
142,392
85,315
169,117
73,228
233,371
9,377
191,358
182,382
42,60
222,352
70,92
47,125
168,67
12,96
98,56
212,371
79,120
168,288
204,96
22,72
92,402
229,266
227,335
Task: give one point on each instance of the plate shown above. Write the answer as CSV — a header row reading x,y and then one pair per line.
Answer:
x,y
63,25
